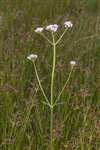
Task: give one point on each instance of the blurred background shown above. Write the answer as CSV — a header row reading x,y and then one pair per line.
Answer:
x,y
24,120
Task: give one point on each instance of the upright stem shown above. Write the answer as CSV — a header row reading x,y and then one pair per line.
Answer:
x,y
51,129
52,93
53,72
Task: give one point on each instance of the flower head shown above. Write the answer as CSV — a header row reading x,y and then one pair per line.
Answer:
x,y
73,63
39,29
52,27
32,57
68,24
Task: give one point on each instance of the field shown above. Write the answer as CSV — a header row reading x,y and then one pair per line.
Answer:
x,y
26,122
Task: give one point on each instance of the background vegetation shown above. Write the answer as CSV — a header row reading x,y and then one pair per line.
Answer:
x,y
24,120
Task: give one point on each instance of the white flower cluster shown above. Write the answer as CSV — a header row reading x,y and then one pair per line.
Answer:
x,y
32,57
39,29
54,27
73,63
68,24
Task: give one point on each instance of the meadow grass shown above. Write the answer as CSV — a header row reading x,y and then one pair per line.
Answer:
x,y
24,119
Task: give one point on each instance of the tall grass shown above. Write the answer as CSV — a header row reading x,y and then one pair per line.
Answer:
x,y
24,120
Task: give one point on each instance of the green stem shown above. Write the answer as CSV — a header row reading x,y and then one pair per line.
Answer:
x,y
51,129
52,93
61,37
64,86
53,72
40,84
50,42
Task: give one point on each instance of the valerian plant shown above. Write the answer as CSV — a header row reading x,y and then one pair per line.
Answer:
x,y
52,28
